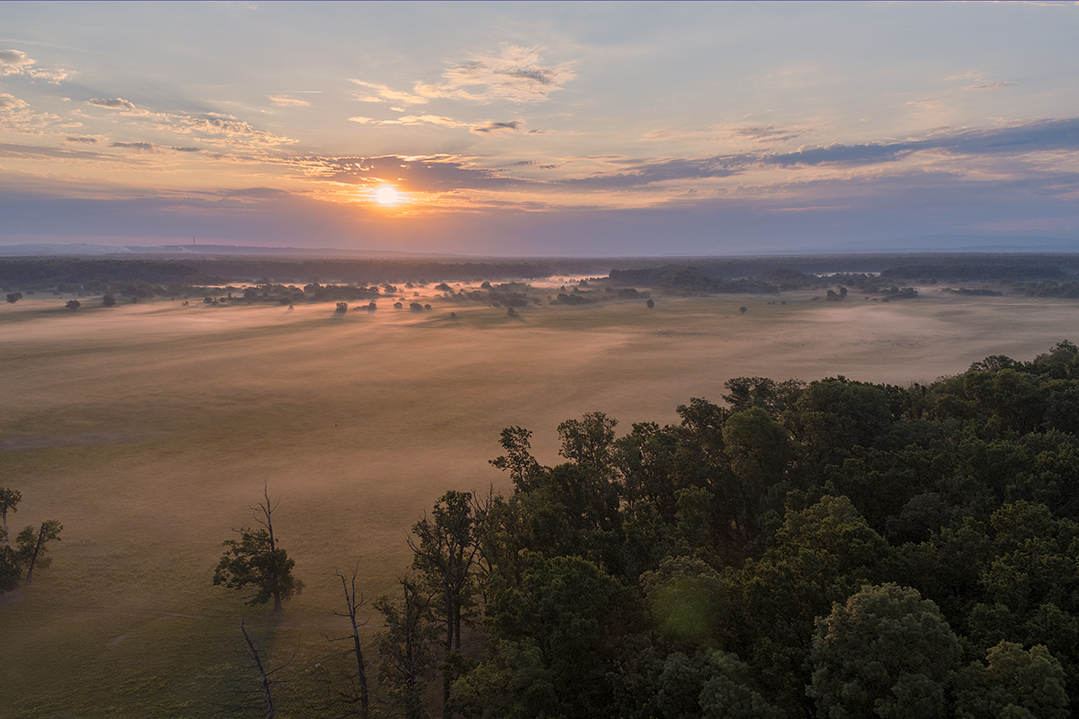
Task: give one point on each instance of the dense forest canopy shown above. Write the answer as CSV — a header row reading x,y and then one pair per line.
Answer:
x,y
830,549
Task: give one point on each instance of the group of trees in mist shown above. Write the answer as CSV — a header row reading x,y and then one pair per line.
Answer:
x,y
826,549
31,550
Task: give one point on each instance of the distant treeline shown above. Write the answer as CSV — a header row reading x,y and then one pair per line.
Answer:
x,y
984,271
693,280
1041,275
50,272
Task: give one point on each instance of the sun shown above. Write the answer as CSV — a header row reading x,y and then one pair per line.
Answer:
x,y
387,195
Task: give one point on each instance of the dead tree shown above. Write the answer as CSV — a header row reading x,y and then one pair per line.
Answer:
x,y
354,600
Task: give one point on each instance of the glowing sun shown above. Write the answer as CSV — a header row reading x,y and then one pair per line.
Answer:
x,y
387,195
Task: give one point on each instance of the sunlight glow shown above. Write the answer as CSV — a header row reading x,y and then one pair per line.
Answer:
x,y
387,195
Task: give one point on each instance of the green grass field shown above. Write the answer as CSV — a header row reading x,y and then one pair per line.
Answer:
x,y
148,430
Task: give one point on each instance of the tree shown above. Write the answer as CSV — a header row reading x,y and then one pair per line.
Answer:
x,y
445,554
650,304
10,571
265,673
885,653
14,297
256,559
73,305
405,646
743,310
1016,683
32,546
354,600
108,301
9,502
342,308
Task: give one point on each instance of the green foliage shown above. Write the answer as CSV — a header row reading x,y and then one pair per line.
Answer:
x,y
554,627
256,560
886,652
1013,683
405,645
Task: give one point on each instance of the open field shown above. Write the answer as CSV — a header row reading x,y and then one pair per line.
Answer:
x,y
149,429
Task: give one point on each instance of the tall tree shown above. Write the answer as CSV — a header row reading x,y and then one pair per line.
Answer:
x,y
445,550
886,653
405,646
256,559
32,546
354,600
9,502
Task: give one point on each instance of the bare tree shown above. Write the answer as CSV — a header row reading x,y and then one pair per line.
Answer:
x,y
354,601
265,673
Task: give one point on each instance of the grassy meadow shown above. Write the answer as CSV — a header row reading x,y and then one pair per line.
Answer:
x,y
149,430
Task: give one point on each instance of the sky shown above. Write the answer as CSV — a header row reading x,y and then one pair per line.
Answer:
x,y
541,129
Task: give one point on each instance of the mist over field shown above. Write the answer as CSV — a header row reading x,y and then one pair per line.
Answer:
x,y
151,429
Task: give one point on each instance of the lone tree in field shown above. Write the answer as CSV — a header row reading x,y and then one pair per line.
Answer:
x,y
257,560
32,546
73,305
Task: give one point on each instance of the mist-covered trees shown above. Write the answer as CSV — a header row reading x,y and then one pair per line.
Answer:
x,y
255,559
32,544
827,549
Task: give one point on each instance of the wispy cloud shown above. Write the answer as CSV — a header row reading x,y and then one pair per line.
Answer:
x,y
411,120
151,147
516,74
431,174
125,106
16,62
282,101
209,127
387,94
493,127
17,115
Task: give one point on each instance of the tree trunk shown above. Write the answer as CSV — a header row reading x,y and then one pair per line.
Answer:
x,y
33,557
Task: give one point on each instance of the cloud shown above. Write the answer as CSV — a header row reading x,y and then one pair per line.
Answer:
x,y
15,62
665,170
516,75
137,146
990,86
411,120
16,115
81,140
213,127
433,173
491,126
117,104
288,102
1038,136
763,133
386,94
151,147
